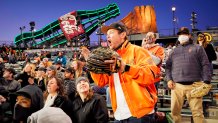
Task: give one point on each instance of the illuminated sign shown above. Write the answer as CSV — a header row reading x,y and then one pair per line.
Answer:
x,y
208,37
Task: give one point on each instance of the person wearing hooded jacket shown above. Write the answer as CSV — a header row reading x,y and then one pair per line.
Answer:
x,y
49,115
29,99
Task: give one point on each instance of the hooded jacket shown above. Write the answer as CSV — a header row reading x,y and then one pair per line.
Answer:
x,y
36,95
49,115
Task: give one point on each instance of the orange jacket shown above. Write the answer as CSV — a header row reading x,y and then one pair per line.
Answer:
x,y
158,51
137,84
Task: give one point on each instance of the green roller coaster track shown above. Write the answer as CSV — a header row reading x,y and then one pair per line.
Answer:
x,y
53,34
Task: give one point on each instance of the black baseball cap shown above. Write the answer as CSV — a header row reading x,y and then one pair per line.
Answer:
x,y
117,25
200,33
183,30
69,70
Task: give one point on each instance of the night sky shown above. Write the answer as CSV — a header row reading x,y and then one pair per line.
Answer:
x,y
17,13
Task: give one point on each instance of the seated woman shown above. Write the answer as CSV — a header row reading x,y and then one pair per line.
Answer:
x,y
29,70
56,96
78,66
87,106
41,78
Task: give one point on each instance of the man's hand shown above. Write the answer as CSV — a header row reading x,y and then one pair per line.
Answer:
x,y
2,99
171,84
85,52
118,62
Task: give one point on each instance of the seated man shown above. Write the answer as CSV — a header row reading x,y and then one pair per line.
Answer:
x,y
7,85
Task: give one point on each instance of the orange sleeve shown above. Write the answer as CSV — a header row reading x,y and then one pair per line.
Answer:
x,y
144,70
160,53
100,79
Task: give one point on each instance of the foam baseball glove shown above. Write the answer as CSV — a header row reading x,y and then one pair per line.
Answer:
x,y
96,61
200,89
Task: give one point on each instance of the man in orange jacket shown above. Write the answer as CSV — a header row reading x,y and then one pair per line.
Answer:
x,y
132,90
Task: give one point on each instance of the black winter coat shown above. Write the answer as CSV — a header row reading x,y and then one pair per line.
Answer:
x,y
92,111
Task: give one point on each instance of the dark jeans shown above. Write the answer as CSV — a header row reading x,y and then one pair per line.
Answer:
x,y
150,118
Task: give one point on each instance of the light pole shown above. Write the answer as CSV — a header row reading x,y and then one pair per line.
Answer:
x,y
194,20
32,28
174,20
99,32
21,32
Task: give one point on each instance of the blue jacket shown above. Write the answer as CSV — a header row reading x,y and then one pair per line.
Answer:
x,y
62,59
188,63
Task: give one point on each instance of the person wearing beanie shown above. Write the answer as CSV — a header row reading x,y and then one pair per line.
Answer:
x,y
87,106
51,72
49,115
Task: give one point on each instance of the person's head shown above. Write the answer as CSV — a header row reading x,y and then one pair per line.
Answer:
x,y
30,68
55,85
77,65
9,73
51,71
40,72
27,59
201,39
116,35
183,35
29,99
31,80
45,60
82,86
60,53
150,38
69,73
22,107
58,64
41,64
74,64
